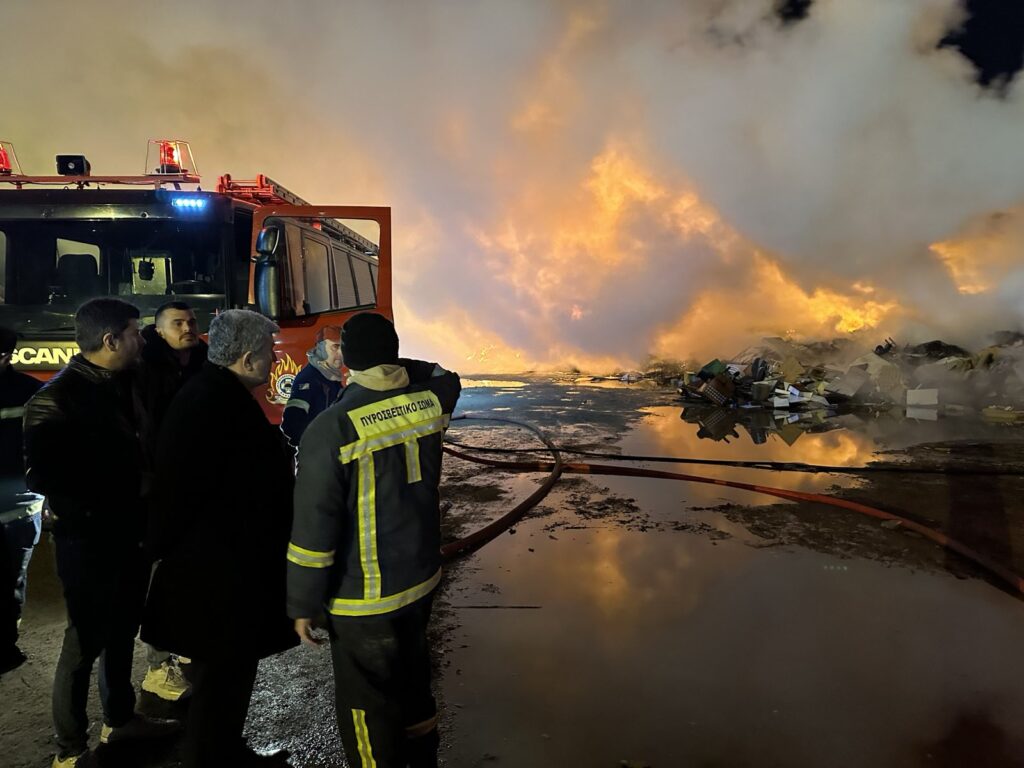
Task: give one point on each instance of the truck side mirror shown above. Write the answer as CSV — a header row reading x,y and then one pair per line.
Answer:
x,y
266,241
268,276
268,287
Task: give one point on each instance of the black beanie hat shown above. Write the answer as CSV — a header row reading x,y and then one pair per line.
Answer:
x,y
368,340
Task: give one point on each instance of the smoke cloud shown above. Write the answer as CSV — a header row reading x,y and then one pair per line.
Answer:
x,y
578,182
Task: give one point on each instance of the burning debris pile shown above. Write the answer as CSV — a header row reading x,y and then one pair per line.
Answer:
x,y
926,379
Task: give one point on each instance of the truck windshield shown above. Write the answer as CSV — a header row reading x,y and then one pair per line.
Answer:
x,y
48,268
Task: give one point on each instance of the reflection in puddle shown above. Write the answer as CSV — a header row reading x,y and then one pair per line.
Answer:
x,y
663,433
495,383
669,650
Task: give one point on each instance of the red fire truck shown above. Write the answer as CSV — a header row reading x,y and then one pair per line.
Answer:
x,y
159,236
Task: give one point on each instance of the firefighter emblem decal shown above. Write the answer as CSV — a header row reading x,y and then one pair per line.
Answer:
x,y
281,377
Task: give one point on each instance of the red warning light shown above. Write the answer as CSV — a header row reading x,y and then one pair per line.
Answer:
x,y
170,157
167,157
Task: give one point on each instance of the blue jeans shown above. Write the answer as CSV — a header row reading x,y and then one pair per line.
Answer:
x,y
21,537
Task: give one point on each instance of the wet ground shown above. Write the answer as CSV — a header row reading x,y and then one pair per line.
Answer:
x,y
631,622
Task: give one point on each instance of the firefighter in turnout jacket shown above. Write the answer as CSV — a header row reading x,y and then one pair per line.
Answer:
x,y
365,544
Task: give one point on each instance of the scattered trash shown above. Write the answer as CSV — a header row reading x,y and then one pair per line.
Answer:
x,y
784,377
1002,414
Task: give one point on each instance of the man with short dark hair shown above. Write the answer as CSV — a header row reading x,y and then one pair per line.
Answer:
x,y
316,387
173,354
222,530
83,452
366,543
19,520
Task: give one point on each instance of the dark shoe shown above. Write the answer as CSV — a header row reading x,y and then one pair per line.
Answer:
x,y
11,659
138,728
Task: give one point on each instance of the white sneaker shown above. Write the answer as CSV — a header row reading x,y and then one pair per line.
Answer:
x,y
167,682
138,728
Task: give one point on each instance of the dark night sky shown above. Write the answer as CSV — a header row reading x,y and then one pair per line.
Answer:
x,y
992,37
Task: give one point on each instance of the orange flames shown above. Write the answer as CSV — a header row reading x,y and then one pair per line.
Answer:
x,y
557,262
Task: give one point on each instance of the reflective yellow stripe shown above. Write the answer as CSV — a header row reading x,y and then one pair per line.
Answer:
x,y
367,492
310,558
398,412
363,739
294,402
359,448
412,461
12,413
351,607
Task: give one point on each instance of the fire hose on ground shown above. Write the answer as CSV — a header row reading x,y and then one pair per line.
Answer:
x,y
557,467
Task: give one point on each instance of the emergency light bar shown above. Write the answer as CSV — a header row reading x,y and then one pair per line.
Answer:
x,y
189,203
173,166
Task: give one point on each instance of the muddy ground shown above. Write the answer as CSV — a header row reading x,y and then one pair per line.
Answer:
x,y
630,622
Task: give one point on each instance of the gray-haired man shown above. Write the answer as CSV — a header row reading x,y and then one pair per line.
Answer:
x,y
221,532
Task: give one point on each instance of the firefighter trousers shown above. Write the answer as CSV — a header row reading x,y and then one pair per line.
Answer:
x,y
386,713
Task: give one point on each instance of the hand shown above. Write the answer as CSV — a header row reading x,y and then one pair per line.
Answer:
x,y
304,629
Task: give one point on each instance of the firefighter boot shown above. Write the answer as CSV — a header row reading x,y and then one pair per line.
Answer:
x,y
167,682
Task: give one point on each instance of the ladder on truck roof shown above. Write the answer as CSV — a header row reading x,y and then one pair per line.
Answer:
x,y
262,190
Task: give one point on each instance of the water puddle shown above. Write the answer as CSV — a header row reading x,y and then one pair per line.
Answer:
x,y
585,641
669,649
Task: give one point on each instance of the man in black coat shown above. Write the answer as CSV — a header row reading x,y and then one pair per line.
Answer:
x,y
173,354
218,593
83,452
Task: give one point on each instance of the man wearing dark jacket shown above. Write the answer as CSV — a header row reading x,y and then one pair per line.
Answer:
x,y
173,354
218,593
366,542
83,452
316,387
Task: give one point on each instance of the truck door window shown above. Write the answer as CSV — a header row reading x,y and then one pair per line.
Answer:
x,y
343,279
241,261
364,282
79,272
318,284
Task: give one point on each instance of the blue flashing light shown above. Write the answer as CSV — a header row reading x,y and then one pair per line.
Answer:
x,y
189,203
